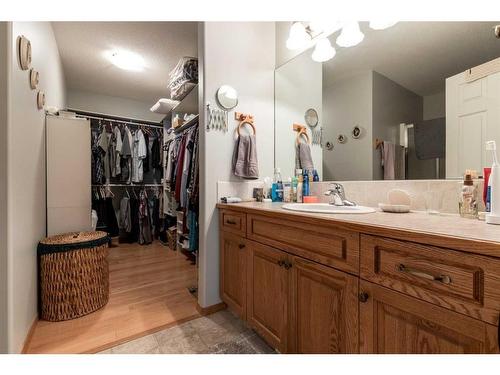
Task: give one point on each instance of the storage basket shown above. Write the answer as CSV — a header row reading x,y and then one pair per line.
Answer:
x,y
73,275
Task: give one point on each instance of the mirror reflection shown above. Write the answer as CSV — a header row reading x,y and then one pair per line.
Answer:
x,y
417,100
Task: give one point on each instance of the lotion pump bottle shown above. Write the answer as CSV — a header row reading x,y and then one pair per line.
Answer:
x,y
493,217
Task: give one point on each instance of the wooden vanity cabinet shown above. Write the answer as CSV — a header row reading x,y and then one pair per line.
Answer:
x,y
342,291
323,309
233,272
268,294
393,323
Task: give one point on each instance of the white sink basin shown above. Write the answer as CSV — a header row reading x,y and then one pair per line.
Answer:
x,y
325,208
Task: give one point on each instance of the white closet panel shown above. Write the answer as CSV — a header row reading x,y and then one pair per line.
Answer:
x,y
68,175
472,118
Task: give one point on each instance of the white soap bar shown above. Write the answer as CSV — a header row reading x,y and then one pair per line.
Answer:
x,y
398,197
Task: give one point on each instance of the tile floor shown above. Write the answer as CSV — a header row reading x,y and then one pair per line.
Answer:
x,y
219,333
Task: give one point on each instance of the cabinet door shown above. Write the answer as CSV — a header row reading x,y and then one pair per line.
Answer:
x,y
233,264
268,293
391,322
324,309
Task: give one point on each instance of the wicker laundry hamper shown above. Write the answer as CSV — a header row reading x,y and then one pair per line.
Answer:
x,y
73,275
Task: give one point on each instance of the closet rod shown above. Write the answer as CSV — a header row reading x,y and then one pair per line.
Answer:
x,y
117,119
128,185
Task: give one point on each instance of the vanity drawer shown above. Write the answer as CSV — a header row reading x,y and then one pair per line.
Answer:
x,y
324,244
233,221
462,282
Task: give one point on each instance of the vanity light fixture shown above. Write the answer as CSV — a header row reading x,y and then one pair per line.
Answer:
x,y
126,60
351,35
323,51
299,37
381,25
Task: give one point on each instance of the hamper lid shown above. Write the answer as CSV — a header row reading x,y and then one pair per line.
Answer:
x,y
72,240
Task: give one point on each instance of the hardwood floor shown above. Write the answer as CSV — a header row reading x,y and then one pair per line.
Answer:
x,y
148,292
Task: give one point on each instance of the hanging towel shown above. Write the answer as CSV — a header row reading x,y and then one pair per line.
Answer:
x,y
304,157
393,161
245,164
430,138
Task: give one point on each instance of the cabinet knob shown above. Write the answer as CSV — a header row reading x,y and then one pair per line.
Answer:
x,y
288,265
241,246
363,297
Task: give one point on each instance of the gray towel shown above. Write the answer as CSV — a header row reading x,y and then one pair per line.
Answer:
x,y
304,157
430,138
245,163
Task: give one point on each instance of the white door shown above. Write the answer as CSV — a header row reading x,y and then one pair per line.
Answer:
x,y
472,118
68,175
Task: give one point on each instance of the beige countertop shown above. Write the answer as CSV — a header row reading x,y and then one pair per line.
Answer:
x,y
418,226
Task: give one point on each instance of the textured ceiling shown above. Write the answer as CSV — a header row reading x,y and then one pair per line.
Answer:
x,y
417,55
82,46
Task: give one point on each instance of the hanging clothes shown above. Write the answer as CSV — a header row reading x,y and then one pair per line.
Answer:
x,y
138,155
145,235
104,146
118,144
145,164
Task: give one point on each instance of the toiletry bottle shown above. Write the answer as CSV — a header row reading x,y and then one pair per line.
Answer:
x,y
486,187
275,193
300,185
468,198
493,217
294,189
305,185
279,191
287,190
315,175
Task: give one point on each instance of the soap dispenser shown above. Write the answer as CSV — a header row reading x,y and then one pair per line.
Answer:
x,y
468,198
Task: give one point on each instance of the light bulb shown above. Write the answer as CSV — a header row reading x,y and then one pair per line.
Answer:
x,y
298,37
323,50
381,25
126,60
350,35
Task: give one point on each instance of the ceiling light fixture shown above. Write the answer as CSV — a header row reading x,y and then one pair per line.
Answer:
x,y
323,51
299,37
126,60
351,35
381,25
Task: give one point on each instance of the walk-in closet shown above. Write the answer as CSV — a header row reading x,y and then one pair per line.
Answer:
x,y
129,140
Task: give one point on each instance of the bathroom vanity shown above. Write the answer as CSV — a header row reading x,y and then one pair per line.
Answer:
x,y
366,283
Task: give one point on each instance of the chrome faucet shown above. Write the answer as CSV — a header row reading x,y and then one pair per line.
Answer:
x,y
336,191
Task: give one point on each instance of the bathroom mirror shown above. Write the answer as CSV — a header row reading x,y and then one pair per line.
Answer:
x,y
227,97
410,93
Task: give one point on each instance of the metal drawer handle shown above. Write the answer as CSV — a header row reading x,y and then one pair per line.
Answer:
x,y
230,222
241,246
445,279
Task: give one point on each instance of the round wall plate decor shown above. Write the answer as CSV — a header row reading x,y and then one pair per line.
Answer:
x,y
357,132
341,138
40,99
34,79
24,52
311,117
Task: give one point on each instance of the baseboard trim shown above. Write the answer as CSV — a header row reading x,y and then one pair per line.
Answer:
x,y
29,336
210,309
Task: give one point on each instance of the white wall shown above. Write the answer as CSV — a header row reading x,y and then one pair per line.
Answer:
x,y
435,106
111,105
298,87
392,105
26,171
241,55
4,91
346,103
